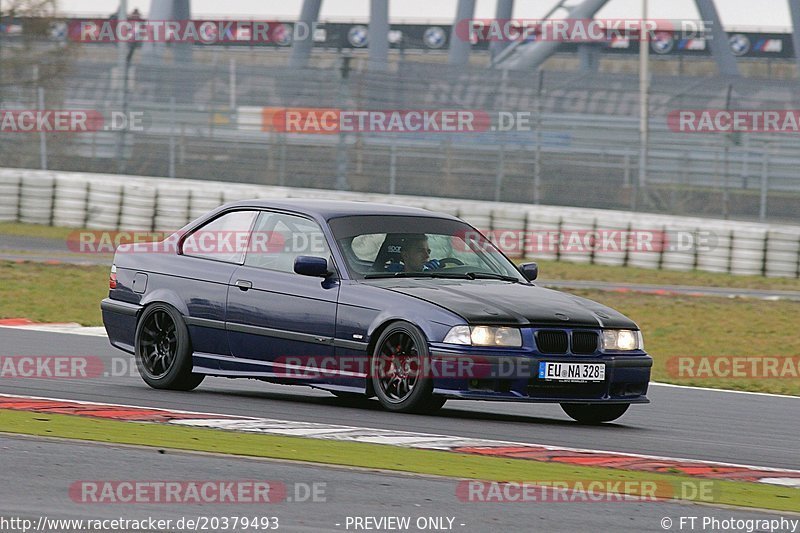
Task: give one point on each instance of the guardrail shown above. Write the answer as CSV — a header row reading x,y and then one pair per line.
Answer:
x,y
114,202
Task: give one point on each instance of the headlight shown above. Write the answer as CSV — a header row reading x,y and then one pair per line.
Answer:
x,y
624,340
484,336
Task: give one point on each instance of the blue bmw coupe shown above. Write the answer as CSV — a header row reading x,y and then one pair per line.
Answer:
x,y
366,300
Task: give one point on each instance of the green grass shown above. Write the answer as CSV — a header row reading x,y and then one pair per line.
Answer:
x,y
562,271
35,230
53,293
376,456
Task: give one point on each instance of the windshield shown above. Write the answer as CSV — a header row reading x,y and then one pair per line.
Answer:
x,y
410,246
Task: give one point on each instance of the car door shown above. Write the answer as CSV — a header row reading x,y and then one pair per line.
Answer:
x,y
210,255
275,316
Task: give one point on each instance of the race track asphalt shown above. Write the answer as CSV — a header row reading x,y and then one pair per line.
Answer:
x,y
43,471
752,429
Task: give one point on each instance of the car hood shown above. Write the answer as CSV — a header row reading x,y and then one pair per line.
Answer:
x,y
503,303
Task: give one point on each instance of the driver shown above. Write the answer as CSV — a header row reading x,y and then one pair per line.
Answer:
x,y
415,254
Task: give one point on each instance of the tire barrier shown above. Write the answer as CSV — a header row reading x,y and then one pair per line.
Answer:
x,y
172,207
9,195
71,200
36,198
542,222
603,237
782,254
104,203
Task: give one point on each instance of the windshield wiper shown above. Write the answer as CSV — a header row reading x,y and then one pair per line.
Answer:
x,y
437,275
441,275
489,275
397,275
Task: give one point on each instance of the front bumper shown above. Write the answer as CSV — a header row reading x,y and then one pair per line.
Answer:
x,y
508,376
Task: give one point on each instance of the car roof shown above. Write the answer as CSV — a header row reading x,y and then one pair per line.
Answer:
x,y
330,209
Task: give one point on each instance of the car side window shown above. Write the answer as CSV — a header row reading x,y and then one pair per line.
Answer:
x,y
223,239
278,239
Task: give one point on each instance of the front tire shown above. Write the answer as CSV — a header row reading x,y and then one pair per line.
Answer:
x,y
400,371
164,351
594,413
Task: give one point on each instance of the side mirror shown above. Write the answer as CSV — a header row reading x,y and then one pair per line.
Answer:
x,y
530,271
315,267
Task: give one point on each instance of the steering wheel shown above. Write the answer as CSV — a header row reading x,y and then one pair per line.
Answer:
x,y
451,261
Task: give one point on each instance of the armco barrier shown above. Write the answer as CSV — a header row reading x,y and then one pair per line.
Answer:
x,y
111,202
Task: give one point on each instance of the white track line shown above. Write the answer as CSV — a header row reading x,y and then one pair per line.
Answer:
x,y
671,385
71,329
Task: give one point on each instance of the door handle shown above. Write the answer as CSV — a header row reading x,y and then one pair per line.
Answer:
x,y
244,285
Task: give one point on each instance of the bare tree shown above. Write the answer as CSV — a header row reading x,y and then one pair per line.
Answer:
x,y
38,15
30,59
34,47
30,8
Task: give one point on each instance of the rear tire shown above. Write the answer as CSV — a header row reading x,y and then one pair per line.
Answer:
x,y
400,368
594,413
164,350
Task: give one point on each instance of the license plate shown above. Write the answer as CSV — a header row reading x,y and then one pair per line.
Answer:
x,y
572,371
